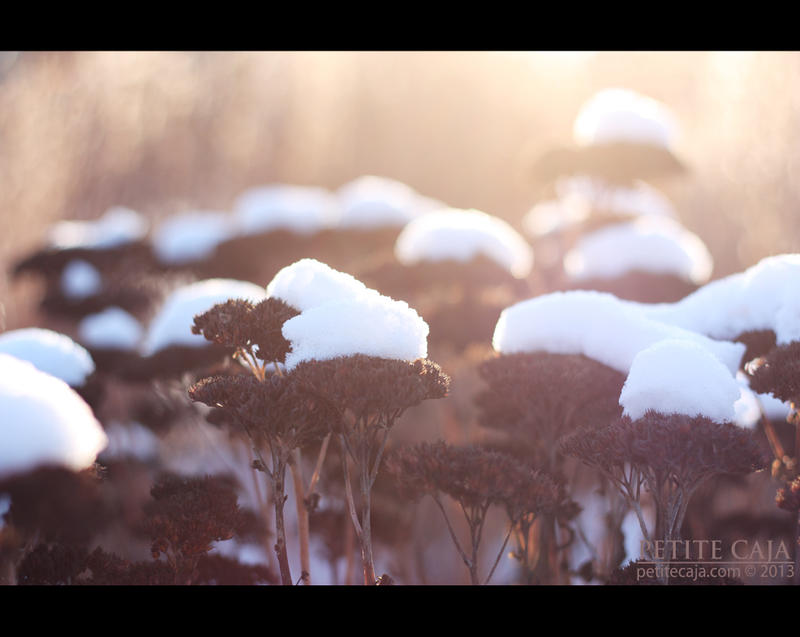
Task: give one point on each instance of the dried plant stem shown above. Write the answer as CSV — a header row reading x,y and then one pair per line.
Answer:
x,y
461,552
500,554
318,468
279,497
296,467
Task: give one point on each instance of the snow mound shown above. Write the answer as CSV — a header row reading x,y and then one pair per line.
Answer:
x,y
173,323
118,226
622,115
597,325
112,328
50,352
301,209
461,235
309,283
638,199
44,421
80,279
372,202
191,236
372,325
649,244
763,297
679,377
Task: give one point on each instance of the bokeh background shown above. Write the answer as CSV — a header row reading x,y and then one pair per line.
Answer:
x,y
164,131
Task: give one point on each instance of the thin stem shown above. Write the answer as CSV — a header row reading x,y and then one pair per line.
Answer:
x,y
500,554
296,467
351,507
318,468
452,533
279,472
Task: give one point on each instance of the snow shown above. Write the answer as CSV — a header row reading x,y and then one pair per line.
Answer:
x,y
552,215
340,316
597,325
173,323
371,202
763,297
750,406
578,197
118,226
301,209
679,377
308,283
50,352
132,441
191,236
461,235
649,244
112,328
622,115
372,325
44,421
80,279
636,200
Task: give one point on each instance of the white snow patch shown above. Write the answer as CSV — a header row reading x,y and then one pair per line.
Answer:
x,y
622,115
309,283
118,226
371,202
44,421
133,440
80,279
191,236
372,325
301,209
461,235
763,297
649,244
637,200
50,352
679,377
597,325
173,323
112,328
633,536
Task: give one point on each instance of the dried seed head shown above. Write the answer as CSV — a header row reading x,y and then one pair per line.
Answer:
x,y
778,373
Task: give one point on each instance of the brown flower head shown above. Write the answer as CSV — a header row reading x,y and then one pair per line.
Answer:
x,y
778,373
539,397
375,390
472,476
187,515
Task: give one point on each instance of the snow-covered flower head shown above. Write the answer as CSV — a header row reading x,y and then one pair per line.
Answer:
x,y
622,115
50,352
45,422
461,235
117,227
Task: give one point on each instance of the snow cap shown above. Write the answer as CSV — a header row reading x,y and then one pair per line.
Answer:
x,y
622,115
461,235
50,352
45,422
679,377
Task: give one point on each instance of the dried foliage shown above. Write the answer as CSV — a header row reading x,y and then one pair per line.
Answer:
x,y
757,343
788,497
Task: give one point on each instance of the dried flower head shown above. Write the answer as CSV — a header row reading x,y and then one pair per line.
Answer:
x,y
539,397
757,342
472,476
375,390
687,449
788,497
277,407
241,324
187,515
778,373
